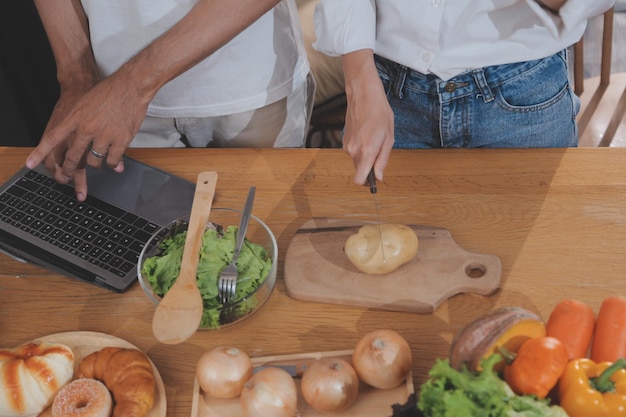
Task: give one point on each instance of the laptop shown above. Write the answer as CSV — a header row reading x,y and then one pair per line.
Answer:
x,y
96,241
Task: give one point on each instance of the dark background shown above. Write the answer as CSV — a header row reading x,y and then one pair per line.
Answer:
x,y
28,85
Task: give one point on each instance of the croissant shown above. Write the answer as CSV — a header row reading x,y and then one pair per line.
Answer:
x,y
127,373
31,375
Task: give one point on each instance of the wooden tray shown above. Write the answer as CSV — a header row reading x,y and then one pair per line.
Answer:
x,y
371,402
84,343
317,269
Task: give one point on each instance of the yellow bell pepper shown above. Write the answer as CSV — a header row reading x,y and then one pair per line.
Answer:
x,y
589,389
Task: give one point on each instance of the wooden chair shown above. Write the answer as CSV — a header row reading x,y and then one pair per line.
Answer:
x,y
329,110
327,122
602,118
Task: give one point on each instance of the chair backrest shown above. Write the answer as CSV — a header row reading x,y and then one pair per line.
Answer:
x,y
605,60
602,117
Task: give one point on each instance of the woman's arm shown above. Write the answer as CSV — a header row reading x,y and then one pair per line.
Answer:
x,y
347,28
368,134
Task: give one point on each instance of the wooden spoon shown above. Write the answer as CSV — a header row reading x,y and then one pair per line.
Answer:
x,y
178,315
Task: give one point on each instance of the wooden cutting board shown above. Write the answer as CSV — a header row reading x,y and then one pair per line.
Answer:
x,y
317,269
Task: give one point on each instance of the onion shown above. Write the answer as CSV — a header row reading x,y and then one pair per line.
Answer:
x,y
223,370
271,392
330,384
382,359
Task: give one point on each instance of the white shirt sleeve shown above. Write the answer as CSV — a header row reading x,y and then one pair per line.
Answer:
x,y
573,14
343,26
576,12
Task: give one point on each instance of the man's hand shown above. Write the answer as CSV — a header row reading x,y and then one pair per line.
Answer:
x,y
80,112
368,133
106,118
54,161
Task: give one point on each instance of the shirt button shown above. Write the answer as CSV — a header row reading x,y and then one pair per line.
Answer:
x,y
426,56
436,3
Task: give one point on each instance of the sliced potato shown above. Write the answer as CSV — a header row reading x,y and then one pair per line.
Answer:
x,y
364,249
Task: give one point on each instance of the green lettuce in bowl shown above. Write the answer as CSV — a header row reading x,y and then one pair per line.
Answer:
x,y
159,265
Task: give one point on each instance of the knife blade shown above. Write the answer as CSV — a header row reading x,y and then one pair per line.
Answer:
x,y
295,369
371,178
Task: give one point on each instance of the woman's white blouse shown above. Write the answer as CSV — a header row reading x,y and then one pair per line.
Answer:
x,y
448,37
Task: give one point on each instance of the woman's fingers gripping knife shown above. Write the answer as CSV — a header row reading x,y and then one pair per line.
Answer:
x,y
364,166
368,136
367,151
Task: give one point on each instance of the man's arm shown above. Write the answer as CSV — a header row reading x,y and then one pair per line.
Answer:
x,y
110,114
66,26
206,28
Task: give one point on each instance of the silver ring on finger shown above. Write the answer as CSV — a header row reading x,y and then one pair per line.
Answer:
x,y
97,154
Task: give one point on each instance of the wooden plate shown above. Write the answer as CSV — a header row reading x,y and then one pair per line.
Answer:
x,y
371,402
84,343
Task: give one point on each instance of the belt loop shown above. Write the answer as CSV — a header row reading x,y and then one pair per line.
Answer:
x,y
481,81
398,83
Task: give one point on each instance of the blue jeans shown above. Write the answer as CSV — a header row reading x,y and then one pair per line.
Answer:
x,y
523,105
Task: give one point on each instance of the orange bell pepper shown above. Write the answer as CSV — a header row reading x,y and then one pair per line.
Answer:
x,y
537,366
589,389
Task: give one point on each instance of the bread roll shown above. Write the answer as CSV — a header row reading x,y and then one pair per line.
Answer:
x,y
31,375
128,374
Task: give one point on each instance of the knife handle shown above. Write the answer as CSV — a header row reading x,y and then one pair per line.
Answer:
x,y
371,179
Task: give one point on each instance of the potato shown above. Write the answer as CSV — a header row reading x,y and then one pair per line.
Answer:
x,y
399,244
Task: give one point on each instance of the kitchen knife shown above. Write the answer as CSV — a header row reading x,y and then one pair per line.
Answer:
x,y
371,178
295,369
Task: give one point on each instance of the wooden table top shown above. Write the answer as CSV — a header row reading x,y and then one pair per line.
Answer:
x,y
555,217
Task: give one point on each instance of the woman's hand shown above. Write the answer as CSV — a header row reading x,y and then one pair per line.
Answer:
x,y
368,134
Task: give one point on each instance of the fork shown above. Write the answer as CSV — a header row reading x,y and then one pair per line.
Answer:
x,y
227,282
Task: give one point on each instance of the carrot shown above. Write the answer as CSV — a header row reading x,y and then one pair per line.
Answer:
x,y
572,322
609,340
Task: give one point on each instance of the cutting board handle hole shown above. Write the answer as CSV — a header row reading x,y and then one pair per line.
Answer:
x,y
475,270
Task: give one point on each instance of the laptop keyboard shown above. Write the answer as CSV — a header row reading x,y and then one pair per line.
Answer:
x,y
93,230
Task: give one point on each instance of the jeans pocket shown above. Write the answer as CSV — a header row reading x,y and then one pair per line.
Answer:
x,y
536,89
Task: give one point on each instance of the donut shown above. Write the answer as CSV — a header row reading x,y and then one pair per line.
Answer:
x,y
84,397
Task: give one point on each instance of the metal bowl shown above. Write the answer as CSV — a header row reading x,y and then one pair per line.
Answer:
x,y
245,304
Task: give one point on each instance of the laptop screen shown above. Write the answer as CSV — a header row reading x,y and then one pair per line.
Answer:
x,y
143,190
